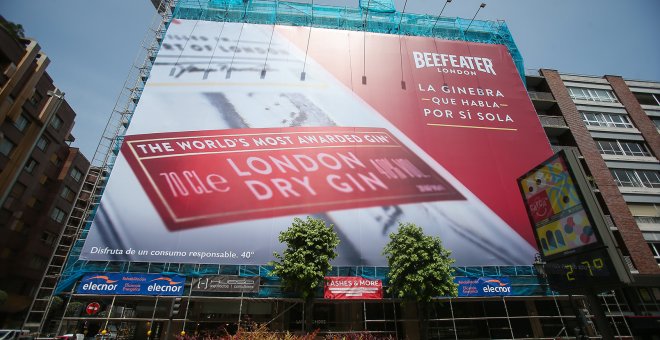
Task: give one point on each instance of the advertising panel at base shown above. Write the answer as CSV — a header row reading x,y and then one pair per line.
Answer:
x,y
131,284
483,286
352,288
229,143
226,283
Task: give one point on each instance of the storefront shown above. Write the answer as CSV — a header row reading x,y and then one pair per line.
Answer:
x,y
132,317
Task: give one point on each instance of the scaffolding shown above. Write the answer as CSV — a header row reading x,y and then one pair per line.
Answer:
x,y
65,266
371,16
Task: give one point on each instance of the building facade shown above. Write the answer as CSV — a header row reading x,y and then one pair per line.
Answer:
x,y
40,176
613,122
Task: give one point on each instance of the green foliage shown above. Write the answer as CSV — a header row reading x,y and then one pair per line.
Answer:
x,y
306,260
56,303
420,267
73,308
3,297
16,30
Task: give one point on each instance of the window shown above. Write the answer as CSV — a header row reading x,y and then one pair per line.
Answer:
x,y
67,194
42,143
57,215
636,178
47,237
21,122
612,120
656,121
6,147
56,122
57,161
17,226
28,289
38,205
648,219
17,190
594,95
76,174
37,262
36,98
647,98
31,165
655,249
622,148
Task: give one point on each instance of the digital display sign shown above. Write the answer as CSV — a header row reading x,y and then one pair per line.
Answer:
x,y
560,219
576,271
573,239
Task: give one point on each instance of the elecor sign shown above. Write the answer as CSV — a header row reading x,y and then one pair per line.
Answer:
x,y
226,283
351,287
483,286
131,284
220,156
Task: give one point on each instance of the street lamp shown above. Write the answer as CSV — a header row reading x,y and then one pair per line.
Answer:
x,y
442,10
475,15
539,265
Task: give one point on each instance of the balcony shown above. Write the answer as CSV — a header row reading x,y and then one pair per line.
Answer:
x,y
631,266
608,221
535,95
553,121
553,125
557,148
542,100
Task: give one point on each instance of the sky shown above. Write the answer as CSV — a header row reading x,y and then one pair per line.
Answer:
x,y
92,44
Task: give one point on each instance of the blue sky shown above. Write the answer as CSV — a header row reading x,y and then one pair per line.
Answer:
x,y
92,44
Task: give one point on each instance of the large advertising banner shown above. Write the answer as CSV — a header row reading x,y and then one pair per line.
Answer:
x,y
242,127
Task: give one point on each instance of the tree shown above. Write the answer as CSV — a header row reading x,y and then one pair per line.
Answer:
x,y
420,268
306,260
16,30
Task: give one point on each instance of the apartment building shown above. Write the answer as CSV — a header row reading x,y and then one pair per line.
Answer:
x,y
40,173
613,123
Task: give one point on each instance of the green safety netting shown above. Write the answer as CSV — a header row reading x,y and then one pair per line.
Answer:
x,y
376,16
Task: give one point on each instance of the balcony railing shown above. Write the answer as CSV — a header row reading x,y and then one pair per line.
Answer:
x,y
630,264
534,95
553,121
557,148
608,221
